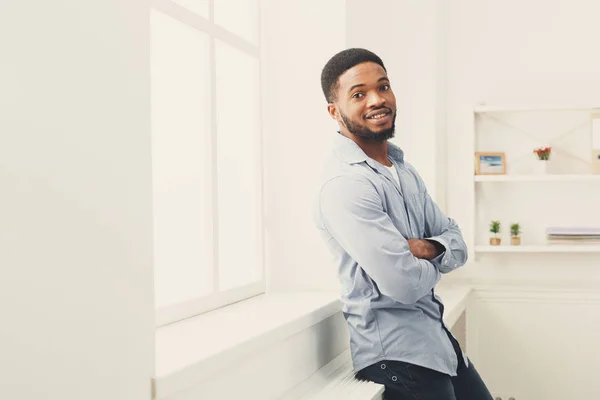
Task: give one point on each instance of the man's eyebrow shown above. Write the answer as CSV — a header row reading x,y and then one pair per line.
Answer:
x,y
355,86
383,78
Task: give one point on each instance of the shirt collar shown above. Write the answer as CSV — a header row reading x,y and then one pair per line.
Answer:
x,y
351,152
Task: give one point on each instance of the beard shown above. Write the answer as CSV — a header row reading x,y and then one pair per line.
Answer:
x,y
365,133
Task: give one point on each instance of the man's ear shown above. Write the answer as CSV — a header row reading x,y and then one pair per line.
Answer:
x,y
333,111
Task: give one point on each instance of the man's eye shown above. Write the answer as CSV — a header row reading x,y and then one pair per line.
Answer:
x,y
385,87
357,95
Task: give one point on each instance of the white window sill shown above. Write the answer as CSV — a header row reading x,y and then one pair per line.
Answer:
x,y
191,349
188,350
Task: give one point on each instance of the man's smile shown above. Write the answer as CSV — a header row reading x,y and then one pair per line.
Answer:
x,y
379,117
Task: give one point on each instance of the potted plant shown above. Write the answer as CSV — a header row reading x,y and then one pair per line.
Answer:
x,y
543,156
495,229
543,153
515,232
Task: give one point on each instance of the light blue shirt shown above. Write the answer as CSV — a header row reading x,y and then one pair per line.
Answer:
x,y
365,218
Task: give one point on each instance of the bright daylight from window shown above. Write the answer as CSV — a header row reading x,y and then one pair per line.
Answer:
x,y
206,156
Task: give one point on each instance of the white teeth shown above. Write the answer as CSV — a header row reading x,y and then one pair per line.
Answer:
x,y
378,116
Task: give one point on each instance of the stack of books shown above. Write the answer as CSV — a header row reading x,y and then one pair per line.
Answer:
x,y
573,235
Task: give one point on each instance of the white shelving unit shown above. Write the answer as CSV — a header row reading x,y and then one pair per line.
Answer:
x,y
566,196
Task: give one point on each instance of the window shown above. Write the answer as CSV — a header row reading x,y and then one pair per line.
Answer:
x,y
206,155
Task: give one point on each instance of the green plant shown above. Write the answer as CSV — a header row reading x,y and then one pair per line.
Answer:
x,y
515,230
495,227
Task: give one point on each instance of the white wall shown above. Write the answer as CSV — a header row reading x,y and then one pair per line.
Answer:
x,y
405,37
298,39
533,344
513,52
76,289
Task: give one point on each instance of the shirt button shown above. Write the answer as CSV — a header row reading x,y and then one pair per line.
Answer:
x,y
394,378
382,366
455,265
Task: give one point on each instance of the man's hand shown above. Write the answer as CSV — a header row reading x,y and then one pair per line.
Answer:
x,y
425,249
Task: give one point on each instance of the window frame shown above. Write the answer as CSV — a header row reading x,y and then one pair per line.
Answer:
x,y
220,298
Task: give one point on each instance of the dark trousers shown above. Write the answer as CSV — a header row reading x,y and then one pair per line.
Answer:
x,y
404,381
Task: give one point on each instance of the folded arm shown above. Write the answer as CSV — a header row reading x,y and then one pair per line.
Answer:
x,y
352,212
446,235
426,248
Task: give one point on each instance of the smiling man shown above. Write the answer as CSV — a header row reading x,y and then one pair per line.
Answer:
x,y
391,243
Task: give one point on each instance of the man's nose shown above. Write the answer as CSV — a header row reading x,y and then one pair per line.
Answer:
x,y
376,100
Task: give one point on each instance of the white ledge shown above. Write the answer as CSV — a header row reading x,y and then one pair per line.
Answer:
x,y
188,350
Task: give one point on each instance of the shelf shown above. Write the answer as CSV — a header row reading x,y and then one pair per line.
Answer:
x,y
485,109
548,248
538,178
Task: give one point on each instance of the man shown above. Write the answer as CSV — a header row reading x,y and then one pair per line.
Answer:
x,y
391,242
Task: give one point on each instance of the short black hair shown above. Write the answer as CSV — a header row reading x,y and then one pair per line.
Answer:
x,y
340,63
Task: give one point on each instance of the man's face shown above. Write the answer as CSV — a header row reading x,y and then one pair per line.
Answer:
x,y
365,104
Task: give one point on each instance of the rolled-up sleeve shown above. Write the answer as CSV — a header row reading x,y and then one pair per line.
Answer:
x,y
445,231
352,212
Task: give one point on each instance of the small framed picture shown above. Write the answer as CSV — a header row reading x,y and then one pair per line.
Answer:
x,y
487,163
